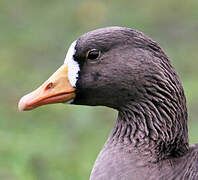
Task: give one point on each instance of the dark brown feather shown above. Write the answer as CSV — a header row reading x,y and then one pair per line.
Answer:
x,y
134,76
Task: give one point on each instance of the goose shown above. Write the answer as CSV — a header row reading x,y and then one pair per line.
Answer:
x,y
123,69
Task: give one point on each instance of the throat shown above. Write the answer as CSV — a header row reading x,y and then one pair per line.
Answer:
x,y
149,132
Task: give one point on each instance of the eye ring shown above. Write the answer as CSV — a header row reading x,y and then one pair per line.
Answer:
x,y
93,54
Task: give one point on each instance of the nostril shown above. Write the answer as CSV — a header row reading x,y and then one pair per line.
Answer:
x,y
49,86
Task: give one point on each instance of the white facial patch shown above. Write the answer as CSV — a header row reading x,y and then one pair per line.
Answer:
x,y
73,66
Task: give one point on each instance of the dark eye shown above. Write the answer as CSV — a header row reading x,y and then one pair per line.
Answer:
x,y
93,54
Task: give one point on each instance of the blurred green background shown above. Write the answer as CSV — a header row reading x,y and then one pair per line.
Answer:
x,y
62,141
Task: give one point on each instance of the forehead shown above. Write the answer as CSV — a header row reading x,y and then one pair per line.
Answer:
x,y
103,38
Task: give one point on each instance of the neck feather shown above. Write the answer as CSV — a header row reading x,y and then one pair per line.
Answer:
x,y
156,125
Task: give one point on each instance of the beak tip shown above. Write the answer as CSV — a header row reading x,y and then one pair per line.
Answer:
x,y
22,104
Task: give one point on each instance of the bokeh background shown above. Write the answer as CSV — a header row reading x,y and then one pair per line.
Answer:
x,y
62,141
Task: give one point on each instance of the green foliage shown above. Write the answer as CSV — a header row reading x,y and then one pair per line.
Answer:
x,y
62,142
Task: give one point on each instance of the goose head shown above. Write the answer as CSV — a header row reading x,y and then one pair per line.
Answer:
x,y
124,69
106,67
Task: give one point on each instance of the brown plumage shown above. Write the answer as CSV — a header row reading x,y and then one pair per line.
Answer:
x,y
134,76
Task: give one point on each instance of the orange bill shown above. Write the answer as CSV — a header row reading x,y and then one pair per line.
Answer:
x,y
56,89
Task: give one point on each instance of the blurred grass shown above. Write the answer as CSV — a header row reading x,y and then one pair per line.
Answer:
x,y
62,142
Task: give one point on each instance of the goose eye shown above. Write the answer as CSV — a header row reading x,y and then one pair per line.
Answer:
x,y
93,54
